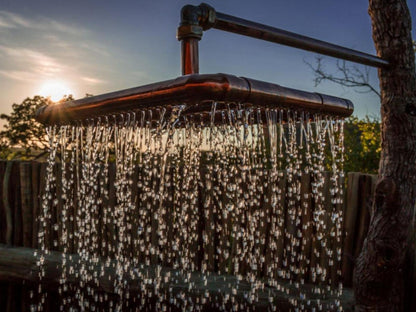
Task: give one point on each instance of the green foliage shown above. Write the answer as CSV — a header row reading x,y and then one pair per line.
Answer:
x,y
23,136
362,145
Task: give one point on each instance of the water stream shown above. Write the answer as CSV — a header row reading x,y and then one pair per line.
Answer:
x,y
226,209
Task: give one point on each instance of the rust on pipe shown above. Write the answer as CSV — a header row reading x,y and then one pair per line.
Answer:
x,y
194,91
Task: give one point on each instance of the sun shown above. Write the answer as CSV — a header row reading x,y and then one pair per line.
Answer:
x,y
55,90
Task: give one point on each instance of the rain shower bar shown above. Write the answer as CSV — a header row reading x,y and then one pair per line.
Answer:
x,y
194,90
196,19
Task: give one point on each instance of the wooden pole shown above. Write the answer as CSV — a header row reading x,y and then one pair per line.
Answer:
x,y
6,203
36,201
350,226
26,197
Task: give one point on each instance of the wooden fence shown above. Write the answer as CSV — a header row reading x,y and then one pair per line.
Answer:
x,y
22,184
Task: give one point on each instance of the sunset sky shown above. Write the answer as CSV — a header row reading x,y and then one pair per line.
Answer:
x,y
56,47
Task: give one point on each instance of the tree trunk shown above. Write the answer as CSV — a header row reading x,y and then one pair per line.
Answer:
x,y
379,278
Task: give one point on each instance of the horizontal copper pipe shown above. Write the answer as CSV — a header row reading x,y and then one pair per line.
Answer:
x,y
194,91
248,28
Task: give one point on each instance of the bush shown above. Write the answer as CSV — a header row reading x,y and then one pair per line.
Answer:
x,y
362,144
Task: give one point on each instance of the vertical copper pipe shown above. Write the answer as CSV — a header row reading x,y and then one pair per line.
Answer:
x,y
190,56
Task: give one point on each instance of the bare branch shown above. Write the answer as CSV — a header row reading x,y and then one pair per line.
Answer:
x,y
346,76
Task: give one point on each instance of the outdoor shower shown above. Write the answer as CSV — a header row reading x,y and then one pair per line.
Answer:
x,y
205,191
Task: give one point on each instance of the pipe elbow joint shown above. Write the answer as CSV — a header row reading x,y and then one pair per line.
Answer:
x,y
189,26
195,19
190,15
208,16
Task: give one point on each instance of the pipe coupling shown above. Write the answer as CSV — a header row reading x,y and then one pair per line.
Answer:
x,y
189,31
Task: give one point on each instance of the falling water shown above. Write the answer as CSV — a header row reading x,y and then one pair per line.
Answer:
x,y
228,209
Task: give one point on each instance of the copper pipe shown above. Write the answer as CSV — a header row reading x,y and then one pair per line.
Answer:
x,y
206,17
264,32
190,58
189,33
194,91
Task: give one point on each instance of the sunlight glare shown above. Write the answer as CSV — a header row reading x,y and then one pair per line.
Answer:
x,y
55,90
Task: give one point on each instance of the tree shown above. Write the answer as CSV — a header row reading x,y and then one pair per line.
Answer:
x,y
362,145
379,271
22,132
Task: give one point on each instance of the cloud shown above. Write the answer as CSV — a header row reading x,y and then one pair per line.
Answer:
x,y
94,48
39,48
64,28
56,41
35,61
12,20
5,24
19,75
92,81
